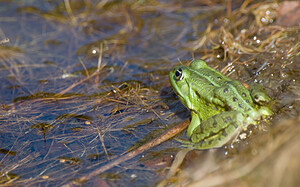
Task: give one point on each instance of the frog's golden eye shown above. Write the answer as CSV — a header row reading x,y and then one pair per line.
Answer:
x,y
178,74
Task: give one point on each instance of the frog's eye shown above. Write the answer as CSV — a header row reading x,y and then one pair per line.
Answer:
x,y
178,74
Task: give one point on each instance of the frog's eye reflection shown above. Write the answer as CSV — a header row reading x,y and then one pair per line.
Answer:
x,y
178,74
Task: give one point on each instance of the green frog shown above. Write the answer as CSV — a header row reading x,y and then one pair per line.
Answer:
x,y
220,107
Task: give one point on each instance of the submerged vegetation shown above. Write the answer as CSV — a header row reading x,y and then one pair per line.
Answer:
x,y
84,82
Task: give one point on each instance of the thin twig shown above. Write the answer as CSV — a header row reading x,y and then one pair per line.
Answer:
x,y
99,62
84,67
102,142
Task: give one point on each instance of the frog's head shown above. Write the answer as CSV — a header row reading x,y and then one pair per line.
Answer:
x,y
182,80
179,79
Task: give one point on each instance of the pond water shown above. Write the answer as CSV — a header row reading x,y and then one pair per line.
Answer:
x,y
84,81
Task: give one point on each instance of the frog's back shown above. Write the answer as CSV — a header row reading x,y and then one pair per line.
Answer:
x,y
212,76
235,95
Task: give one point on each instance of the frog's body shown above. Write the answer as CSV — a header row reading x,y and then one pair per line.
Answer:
x,y
219,106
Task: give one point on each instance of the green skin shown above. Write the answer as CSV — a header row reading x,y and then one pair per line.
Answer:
x,y
219,106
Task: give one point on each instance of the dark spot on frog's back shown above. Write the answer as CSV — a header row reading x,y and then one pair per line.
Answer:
x,y
228,119
223,134
215,124
234,99
219,78
235,125
230,107
244,94
225,90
